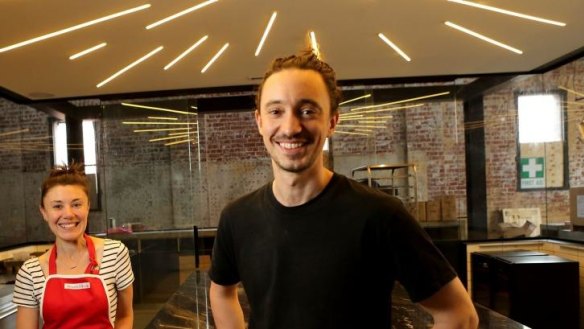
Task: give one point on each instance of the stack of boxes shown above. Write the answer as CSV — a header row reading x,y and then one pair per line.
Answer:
x,y
441,209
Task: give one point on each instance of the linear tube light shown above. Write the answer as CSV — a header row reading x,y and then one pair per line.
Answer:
x,y
571,91
87,51
160,129
163,118
482,37
362,126
167,138
14,132
157,108
157,123
354,99
186,52
179,14
314,44
136,62
394,108
179,142
508,12
73,28
401,101
350,133
394,47
215,57
266,32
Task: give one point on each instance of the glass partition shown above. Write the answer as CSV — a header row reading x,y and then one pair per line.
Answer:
x,y
152,178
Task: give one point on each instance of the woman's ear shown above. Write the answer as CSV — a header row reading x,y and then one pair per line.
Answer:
x,y
43,212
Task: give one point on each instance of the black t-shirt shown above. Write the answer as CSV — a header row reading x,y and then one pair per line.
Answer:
x,y
329,263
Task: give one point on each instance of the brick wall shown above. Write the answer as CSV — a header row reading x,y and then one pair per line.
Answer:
x,y
22,168
501,145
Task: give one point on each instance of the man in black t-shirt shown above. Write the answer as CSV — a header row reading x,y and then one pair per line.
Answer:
x,y
312,248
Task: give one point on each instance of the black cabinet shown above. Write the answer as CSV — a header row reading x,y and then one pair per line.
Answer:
x,y
536,289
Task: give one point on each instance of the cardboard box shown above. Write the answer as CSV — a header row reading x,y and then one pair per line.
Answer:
x,y
577,206
433,210
417,209
422,211
448,207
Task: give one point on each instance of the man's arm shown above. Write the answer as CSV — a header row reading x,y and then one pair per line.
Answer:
x,y
451,307
225,306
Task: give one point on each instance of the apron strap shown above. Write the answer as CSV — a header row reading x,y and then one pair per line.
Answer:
x,y
92,267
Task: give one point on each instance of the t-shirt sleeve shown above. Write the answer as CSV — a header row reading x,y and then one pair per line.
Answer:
x,y
421,267
24,286
124,273
223,269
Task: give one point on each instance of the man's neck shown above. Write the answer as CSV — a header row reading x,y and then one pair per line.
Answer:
x,y
295,189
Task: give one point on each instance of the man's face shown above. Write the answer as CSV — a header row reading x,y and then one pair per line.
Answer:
x,y
295,118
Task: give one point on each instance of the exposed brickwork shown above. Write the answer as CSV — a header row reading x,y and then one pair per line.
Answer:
x,y
501,145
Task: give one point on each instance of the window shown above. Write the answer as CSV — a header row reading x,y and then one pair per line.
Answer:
x,y
542,145
540,119
61,155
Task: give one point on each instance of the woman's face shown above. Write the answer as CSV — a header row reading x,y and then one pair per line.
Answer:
x,y
66,208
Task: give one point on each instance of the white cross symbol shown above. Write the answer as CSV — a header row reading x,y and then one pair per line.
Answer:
x,y
532,168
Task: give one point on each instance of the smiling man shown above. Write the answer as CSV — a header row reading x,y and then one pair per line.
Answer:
x,y
312,248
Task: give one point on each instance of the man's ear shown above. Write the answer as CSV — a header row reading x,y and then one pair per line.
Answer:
x,y
333,121
258,119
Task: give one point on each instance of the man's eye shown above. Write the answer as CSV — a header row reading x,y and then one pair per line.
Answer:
x,y
57,206
77,205
274,111
307,111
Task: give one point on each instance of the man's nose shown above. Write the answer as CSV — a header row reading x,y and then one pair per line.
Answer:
x,y
291,125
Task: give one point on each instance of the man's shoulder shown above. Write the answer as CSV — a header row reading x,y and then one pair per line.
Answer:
x,y
249,200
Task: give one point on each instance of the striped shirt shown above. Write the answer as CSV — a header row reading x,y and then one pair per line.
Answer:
x,y
115,270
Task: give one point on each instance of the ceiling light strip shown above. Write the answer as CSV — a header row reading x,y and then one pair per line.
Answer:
x,y
394,47
350,133
508,12
361,126
167,138
178,142
75,27
122,71
186,52
354,99
215,57
87,51
163,118
179,14
266,32
364,130
394,108
482,37
401,101
314,44
571,91
160,129
157,108
157,123
184,133
14,132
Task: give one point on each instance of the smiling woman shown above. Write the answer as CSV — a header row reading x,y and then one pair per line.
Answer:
x,y
96,273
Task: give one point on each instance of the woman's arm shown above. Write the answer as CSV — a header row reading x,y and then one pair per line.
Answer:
x,y
225,306
125,312
27,318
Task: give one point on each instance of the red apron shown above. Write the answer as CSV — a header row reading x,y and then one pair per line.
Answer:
x,y
75,301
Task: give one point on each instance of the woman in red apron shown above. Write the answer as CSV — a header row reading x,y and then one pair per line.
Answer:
x,y
64,287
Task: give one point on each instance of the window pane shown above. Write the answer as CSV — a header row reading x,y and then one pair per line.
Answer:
x,y
60,143
89,146
540,119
